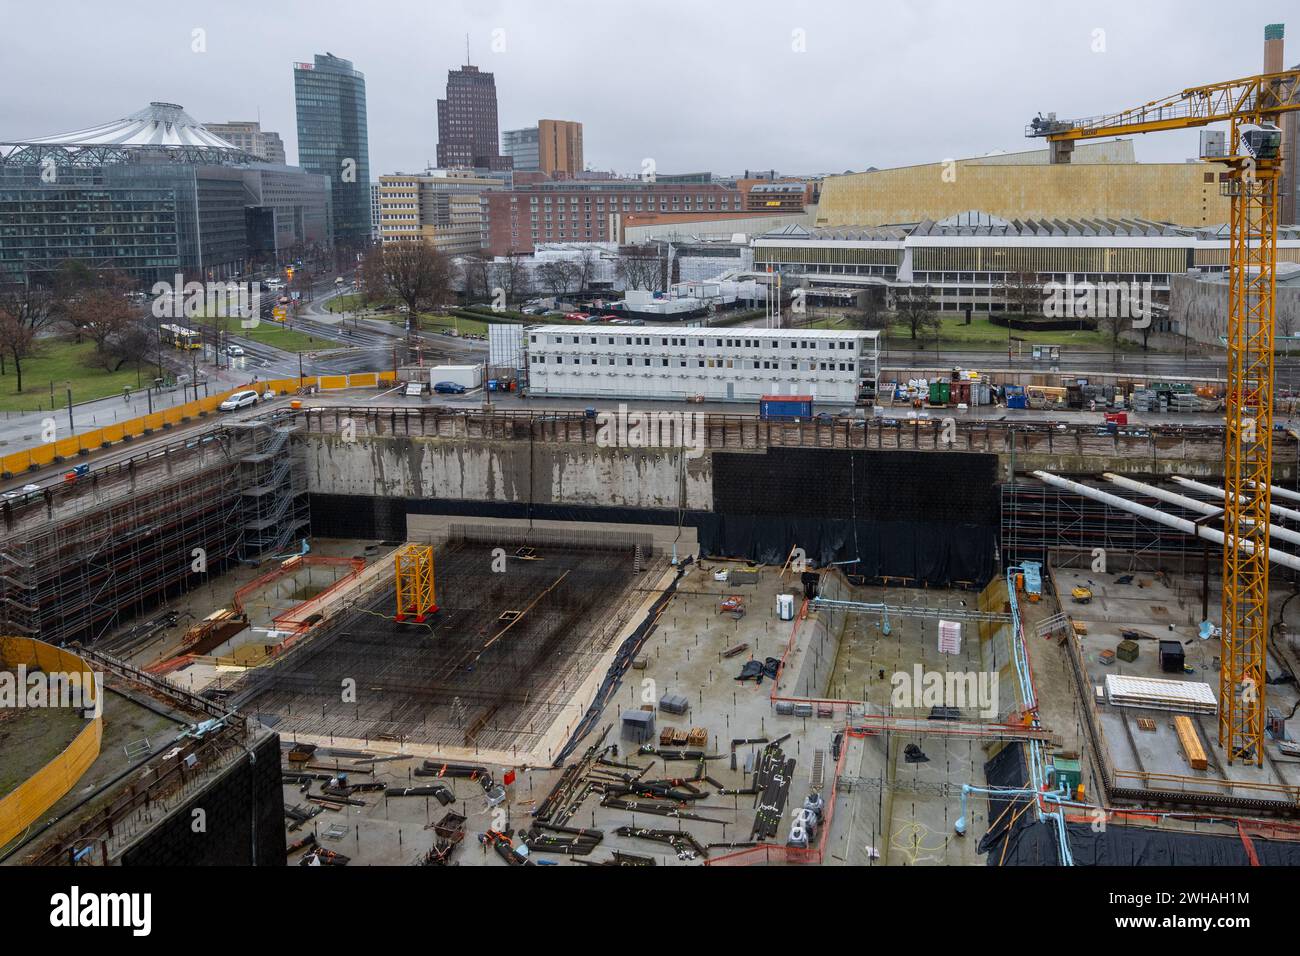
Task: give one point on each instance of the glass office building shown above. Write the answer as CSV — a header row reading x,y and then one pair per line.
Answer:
x,y
152,195
523,148
332,139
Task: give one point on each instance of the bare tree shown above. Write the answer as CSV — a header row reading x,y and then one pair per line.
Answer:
x,y
32,306
1113,322
131,345
1023,293
511,278
584,267
475,277
866,312
417,274
17,341
916,309
640,268
374,287
100,314
556,276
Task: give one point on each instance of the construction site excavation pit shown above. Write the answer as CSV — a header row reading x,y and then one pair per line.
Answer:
x,y
526,627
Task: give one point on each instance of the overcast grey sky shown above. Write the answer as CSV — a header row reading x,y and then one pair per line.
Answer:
x,y
717,85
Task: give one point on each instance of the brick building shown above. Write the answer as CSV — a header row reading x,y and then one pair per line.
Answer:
x,y
599,211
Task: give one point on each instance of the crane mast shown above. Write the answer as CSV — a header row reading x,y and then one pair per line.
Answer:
x,y
1252,162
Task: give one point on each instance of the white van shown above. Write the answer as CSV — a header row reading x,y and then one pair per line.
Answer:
x,y
236,400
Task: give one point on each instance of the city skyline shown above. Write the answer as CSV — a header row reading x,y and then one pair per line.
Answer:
x,y
775,73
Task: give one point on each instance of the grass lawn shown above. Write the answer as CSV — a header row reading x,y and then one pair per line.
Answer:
x,y
954,333
429,322
465,326
352,302
63,362
273,334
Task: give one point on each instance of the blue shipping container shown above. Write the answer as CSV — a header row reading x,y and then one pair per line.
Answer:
x,y
785,407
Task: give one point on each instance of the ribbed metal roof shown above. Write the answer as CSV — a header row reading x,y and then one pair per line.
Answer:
x,y
975,223
163,125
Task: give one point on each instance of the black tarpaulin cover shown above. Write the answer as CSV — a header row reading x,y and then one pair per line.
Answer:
x,y
932,552
1035,845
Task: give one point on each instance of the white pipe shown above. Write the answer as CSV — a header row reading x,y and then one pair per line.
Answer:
x,y
1168,520
1284,493
1194,504
1222,494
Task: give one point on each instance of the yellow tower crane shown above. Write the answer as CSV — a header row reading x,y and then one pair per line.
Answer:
x,y
1252,155
413,564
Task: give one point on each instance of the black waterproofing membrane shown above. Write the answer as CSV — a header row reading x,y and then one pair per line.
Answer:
x,y
1029,841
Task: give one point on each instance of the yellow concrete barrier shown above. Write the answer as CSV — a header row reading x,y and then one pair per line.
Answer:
x,y
32,798
20,461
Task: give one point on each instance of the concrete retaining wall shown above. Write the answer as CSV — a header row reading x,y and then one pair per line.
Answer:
x,y
489,470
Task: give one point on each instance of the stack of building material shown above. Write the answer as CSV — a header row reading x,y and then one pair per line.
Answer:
x,y
638,725
949,637
1189,697
674,704
1191,742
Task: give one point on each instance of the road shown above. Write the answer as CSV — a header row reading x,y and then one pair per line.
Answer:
x,y
362,345
389,398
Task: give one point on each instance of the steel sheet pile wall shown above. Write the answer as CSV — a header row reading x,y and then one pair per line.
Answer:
x,y
243,815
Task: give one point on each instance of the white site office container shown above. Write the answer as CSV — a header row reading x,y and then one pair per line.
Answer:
x,y
470,376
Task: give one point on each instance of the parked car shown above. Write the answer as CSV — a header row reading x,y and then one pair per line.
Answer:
x,y
576,316
234,351
245,399
449,388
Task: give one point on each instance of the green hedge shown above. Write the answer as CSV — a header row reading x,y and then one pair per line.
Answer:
x,y
509,318
486,311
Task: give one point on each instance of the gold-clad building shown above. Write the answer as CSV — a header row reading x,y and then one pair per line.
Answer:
x,y
1101,182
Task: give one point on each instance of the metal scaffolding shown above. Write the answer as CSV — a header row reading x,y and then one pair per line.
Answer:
x,y
1042,522
1038,519
76,565
272,488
